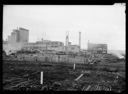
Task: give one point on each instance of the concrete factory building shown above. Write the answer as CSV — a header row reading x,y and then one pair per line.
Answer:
x,y
45,45
18,38
48,45
97,48
19,35
72,48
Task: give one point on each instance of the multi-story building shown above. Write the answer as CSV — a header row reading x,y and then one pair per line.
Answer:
x,y
19,35
23,35
45,45
17,39
13,37
50,43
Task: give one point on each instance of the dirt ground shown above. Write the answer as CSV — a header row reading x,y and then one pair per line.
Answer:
x,y
21,75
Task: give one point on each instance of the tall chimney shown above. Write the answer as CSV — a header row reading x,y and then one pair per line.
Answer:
x,y
66,42
67,39
88,45
80,40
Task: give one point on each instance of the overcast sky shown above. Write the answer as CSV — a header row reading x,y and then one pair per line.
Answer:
x,y
97,23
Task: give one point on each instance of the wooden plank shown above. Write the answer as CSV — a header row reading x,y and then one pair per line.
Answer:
x,y
79,77
89,86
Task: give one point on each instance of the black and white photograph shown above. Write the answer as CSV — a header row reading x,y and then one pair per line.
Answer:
x,y
64,47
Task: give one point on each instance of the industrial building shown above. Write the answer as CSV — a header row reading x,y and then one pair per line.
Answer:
x,y
19,35
72,48
45,45
18,38
97,48
69,48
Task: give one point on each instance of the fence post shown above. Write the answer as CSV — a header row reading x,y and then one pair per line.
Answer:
x,y
41,80
74,66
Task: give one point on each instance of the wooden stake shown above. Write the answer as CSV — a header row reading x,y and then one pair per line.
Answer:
x,y
88,88
74,66
41,80
79,77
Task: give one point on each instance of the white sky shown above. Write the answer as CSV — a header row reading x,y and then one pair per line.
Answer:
x,y
97,23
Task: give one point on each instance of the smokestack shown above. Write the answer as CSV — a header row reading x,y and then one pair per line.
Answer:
x,y
88,45
66,41
80,40
67,38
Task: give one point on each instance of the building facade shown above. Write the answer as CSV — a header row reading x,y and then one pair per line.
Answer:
x,y
19,35
23,35
45,45
13,37
73,48
97,48
17,39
